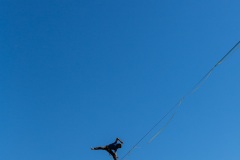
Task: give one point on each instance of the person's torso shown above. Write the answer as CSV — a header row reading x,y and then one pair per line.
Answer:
x,y
113,146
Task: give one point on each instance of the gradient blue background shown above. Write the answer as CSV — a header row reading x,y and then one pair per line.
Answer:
x,y
78,73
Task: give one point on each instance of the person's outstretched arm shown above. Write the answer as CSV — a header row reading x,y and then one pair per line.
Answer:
x,y
117,139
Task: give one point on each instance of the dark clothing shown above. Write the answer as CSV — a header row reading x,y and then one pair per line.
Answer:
x,y
113,146
106,148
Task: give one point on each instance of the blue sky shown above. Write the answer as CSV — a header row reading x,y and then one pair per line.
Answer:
x,y
76,74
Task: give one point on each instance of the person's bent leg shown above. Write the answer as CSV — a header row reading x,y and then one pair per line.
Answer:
x,y
99,148
113,154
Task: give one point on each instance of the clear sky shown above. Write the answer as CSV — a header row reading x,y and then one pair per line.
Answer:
x,y
79,73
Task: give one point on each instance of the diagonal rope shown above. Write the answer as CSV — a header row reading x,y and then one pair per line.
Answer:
x,y
177,106
170,119
198,85
206,76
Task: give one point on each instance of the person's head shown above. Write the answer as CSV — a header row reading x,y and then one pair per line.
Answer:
x,y
119,145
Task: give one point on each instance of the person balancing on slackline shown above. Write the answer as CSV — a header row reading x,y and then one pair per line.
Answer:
x,y
111,148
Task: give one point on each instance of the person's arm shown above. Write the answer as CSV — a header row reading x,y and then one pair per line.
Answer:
x,y
117,139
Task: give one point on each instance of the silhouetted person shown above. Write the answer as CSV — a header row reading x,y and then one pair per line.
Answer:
x,y
111,148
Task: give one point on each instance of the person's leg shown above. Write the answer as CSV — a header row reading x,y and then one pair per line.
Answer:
x,y
113,154
99,148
